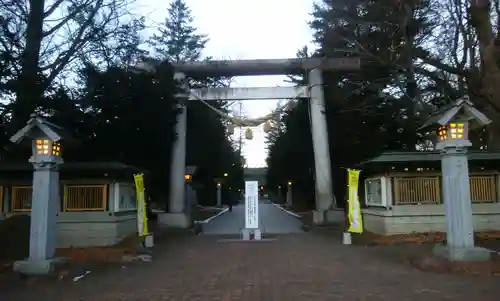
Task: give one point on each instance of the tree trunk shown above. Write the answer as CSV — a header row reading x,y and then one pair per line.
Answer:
x,y
489,45
30,87
412,91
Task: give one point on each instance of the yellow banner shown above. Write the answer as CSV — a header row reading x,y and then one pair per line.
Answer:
x,y
142,217
355,217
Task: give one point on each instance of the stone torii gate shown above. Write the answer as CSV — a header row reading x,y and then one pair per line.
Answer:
x,y
177,215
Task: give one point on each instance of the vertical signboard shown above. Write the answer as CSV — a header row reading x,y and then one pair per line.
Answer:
x,y
354,214
252,205
142,219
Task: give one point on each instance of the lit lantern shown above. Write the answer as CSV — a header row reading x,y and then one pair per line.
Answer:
x,y
188,175
248,134
230,129
45,147
289,183
267,127
454,122
453,131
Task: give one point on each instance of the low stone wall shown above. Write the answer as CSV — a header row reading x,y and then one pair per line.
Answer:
x,y
94,229
425,218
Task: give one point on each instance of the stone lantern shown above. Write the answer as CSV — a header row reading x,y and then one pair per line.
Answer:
x,y
45,140
219,182
289,194
453,124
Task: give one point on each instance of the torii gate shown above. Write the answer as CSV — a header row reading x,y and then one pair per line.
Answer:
x,y
177,217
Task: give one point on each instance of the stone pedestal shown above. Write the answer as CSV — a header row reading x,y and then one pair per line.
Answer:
x,y
457,203
44,209
174,220
37,267
462,254
319,217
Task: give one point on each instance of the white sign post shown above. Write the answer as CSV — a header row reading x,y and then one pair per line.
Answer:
x,y
251,210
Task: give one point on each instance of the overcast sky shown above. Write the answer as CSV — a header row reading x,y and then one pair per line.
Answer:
x,y
247,29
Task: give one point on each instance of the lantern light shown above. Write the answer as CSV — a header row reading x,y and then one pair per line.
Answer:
x,y
188,177
289,183
453,131
45,147
218,184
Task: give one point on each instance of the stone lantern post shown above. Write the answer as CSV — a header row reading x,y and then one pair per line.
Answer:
x,y
453,124
289,194
219,182
45,140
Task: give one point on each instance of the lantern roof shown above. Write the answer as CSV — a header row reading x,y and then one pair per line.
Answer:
x,y
38,127
462,109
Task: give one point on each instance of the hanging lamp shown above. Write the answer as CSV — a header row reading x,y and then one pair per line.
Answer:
x,y
248,134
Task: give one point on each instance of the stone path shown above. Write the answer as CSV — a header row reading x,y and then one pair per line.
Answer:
x,y
272,220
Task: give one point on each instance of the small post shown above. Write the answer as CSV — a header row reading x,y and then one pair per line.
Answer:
x,y
46,158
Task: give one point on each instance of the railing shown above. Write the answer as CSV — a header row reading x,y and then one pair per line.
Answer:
x,y
427,190
483,189
416,190
21,198
85,198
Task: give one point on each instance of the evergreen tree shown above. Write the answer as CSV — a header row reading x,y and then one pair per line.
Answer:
x,y
208,146
178,40
363,119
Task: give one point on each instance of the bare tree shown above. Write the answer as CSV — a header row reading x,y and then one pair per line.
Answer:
x,y
45,39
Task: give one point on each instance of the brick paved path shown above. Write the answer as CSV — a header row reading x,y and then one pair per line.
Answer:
x,y
300,266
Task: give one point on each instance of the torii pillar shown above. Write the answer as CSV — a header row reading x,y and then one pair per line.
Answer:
x,y
314,67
